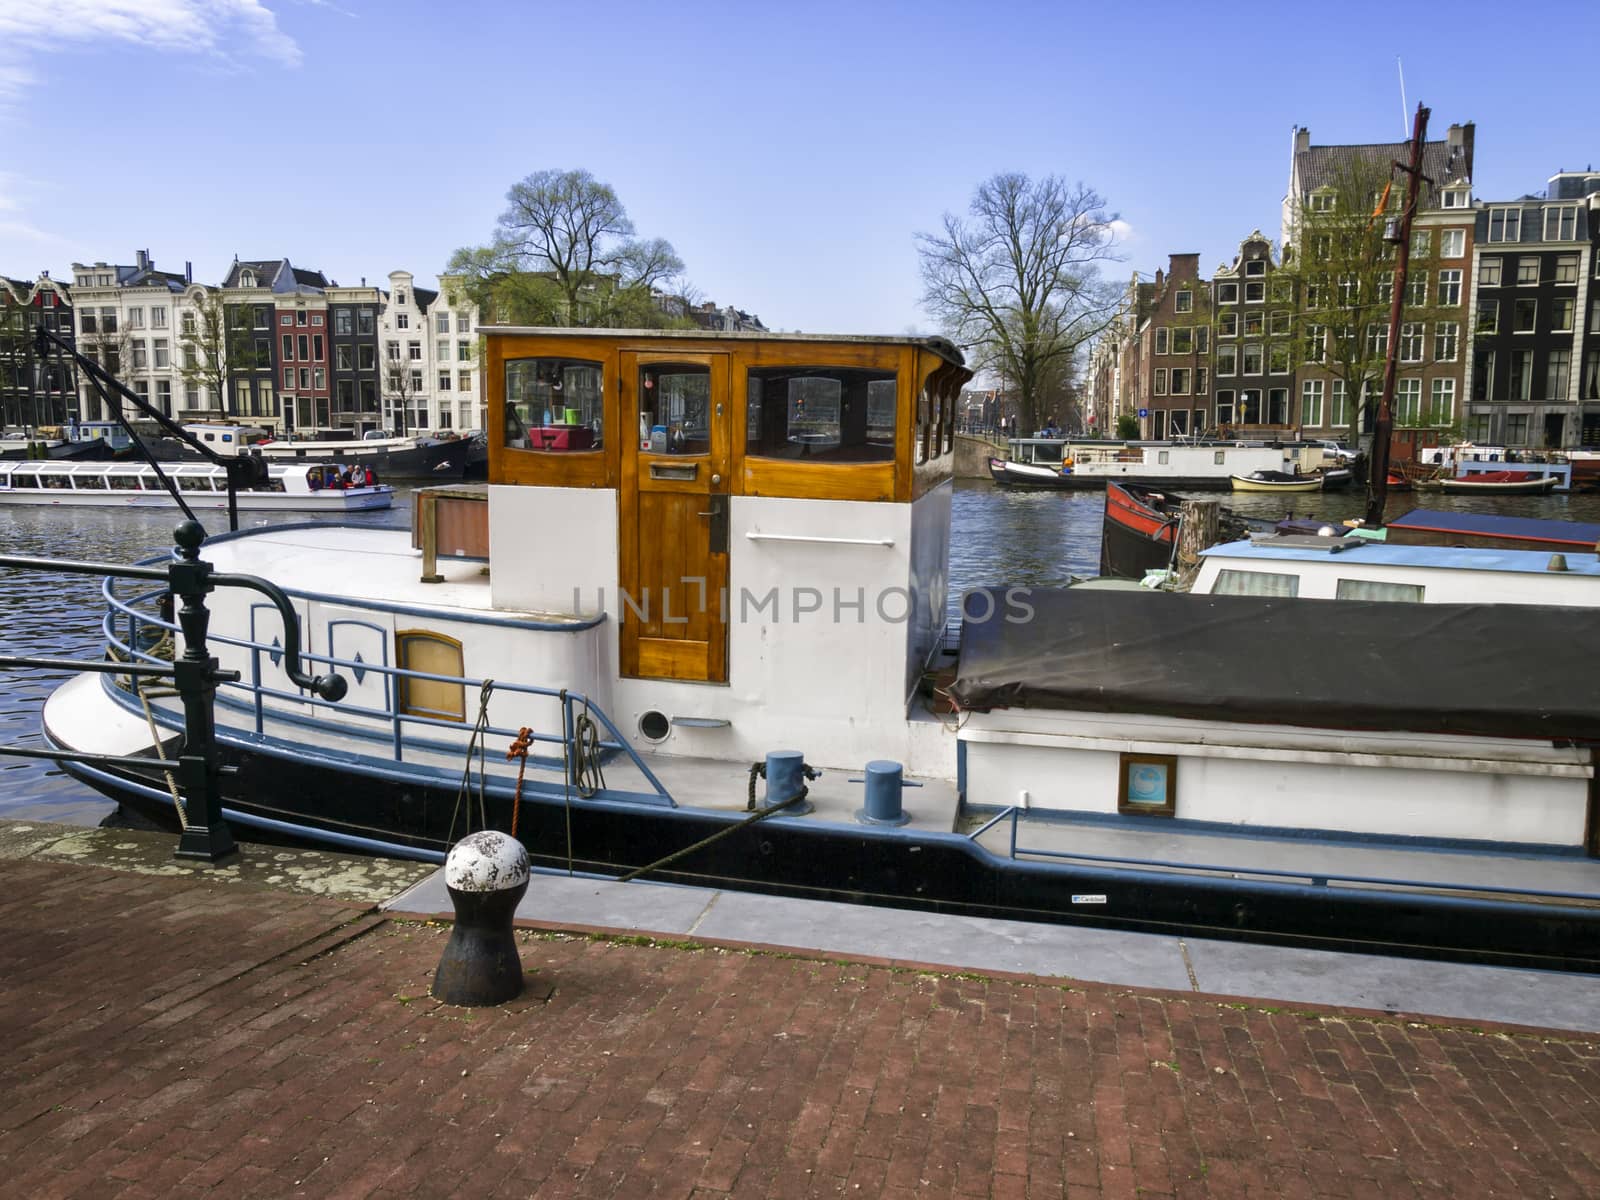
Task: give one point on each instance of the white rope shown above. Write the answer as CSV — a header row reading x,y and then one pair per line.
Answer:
x,y
155,738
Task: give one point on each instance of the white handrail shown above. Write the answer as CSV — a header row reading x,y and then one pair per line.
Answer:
x,y
798,537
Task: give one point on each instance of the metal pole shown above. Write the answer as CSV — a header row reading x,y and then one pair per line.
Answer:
x,y
1378,476
205,835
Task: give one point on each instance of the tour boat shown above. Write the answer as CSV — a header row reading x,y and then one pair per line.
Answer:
x,y
605,648
431,458
129,485
1500,481
1275,481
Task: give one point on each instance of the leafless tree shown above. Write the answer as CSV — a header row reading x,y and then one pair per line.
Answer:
x,y
564,249
401,387
1018,280
212,342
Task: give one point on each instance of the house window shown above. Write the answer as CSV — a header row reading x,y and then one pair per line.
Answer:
x,y
1255,267
141,359
1349,289
159,350
1161,340
391,352
463,351
164,396
1449,288
1183,302
319,378
1180,381
430,654
1252,360
1591,375
263,318
414,351
1161,381
1224,408
1250,407
1527,272
1338,405
416,381
1183,340
1561,315
1227,360
1567,268
1201,382
1408,401
316,347
316,320
86,319
1521,375
1488,316
136,318
288,377
1417,291
1516,429
288,347
441,322
1311,402
1452,243
305,379
1202,339
442,350
1277,406
368,357
1525,315
1505,224
1453,198
464,383
1255,293
1278,358
286,319
342,358
1321,202
1377,340
1316,343
364,322
1254,323
1488,272
444,381
1446,337
1442,405
1411,342
1421,243
1148,785
1228,324
1483,376
1278,324
399,297
1227,293
1560,223
1558,369
444,417
463,323
158,315
341,322
402,321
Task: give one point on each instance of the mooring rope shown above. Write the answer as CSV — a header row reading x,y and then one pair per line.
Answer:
x,y
155,739
475,742
759,815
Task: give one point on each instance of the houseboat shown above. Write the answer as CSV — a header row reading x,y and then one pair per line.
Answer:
x,y
438,459
1441,527
740,570
129,485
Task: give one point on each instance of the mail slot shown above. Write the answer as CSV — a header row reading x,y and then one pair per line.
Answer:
x,y
674,470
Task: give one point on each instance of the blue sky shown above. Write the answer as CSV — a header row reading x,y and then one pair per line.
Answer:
x,y
789,152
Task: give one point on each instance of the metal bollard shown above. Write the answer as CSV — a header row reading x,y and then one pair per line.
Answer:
x,y
486,875
786,777
884,779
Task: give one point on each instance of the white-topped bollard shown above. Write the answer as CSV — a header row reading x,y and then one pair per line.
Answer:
x,y
486,875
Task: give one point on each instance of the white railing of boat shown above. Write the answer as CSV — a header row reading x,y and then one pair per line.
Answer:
x,y
129,629
1315,878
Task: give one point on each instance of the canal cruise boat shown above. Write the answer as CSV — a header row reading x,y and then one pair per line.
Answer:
x,y
705,558
328,487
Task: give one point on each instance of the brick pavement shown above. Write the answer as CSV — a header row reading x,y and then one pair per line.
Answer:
x,y
169,1036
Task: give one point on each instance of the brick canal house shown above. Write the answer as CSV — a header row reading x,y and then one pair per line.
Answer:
x,y
1176,352
302,346
1254,365
356,371
1535,370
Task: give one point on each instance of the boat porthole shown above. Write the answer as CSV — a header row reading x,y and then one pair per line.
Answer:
x,y
654,726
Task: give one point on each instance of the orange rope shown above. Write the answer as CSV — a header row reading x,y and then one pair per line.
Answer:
x,y
519,749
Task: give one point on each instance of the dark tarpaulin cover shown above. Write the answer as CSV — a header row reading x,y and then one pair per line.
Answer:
x,y
1497,670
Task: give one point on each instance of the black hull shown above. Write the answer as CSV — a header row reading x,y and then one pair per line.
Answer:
x,y
443,462
98,450
1128,554
940,873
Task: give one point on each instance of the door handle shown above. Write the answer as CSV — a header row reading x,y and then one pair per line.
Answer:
x,y
718,532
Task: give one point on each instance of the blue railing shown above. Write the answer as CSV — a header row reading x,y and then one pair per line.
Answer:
x,y
1315,878
128,628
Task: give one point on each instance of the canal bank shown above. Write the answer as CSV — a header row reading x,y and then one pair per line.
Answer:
x,y
182,1029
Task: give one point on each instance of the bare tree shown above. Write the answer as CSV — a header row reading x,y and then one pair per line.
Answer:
x,y
211,343
401,387
564,251
1018,281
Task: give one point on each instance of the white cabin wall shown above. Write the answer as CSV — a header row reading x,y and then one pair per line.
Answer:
x,y
573,568
930,580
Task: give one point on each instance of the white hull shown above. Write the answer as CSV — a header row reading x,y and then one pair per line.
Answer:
x,y
351,500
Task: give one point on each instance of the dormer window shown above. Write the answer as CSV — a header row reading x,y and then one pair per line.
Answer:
x,y
1184,302
399,297
1320,202
1453,198
247,279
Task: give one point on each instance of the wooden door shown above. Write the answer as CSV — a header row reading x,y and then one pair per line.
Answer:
x,y
673,509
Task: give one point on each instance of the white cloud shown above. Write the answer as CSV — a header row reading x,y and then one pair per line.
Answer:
x,y
1122,231
211,28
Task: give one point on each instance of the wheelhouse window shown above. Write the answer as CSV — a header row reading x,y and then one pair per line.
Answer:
x,y
555,404
430,654
823,414
675,408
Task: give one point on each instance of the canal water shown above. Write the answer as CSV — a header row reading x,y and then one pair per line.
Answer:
x,y
1029,538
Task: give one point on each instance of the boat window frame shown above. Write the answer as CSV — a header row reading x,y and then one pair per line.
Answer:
x,y
403,706
1168,807
596,468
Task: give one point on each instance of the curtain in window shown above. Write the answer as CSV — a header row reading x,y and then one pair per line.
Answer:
x,y
1256,583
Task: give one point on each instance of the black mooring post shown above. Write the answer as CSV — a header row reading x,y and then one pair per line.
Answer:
x,y
205,835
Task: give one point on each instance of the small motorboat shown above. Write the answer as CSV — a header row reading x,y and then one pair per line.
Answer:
x,y
1501,481
1275,481
1396,482
1139,532
1335,477
1011,473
